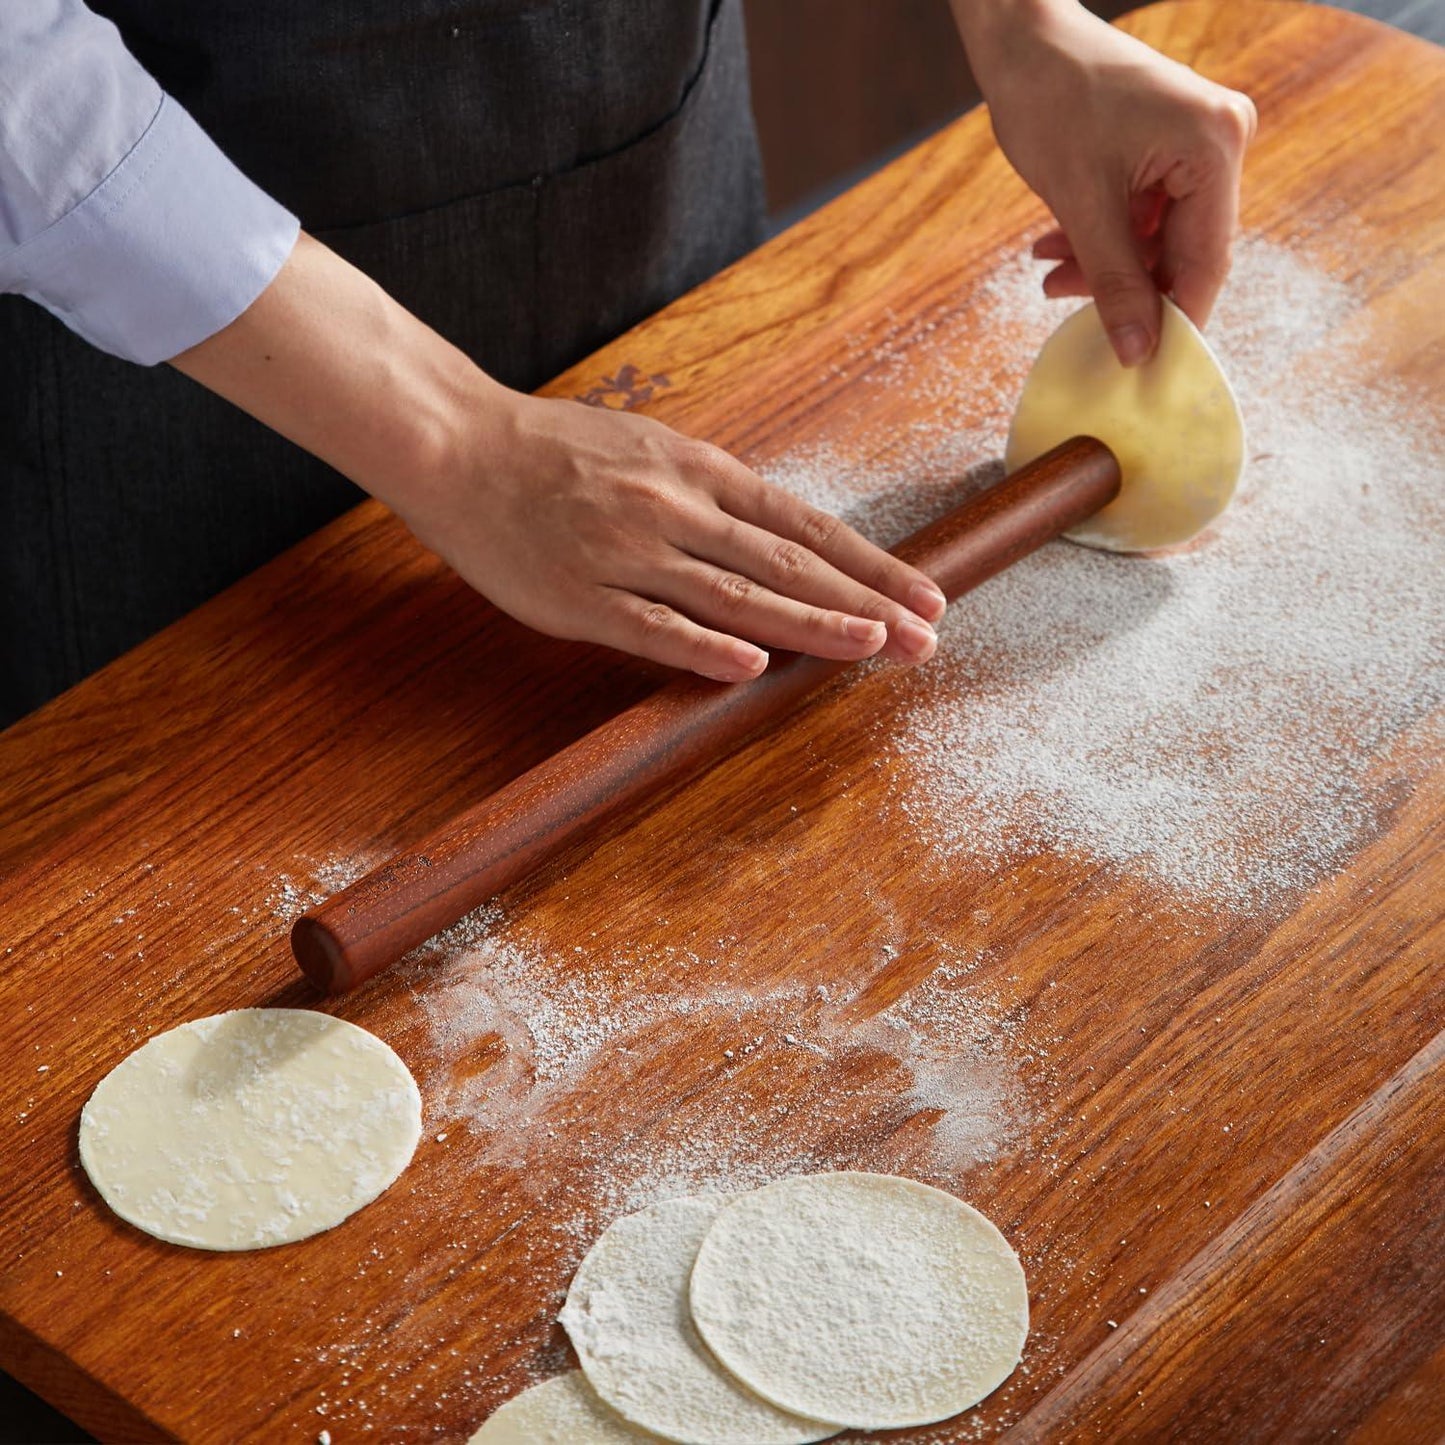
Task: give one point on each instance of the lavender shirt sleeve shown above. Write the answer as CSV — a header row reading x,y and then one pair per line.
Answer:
x,y
117,212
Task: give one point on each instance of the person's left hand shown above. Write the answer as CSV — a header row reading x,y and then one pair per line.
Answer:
x,y
1138,157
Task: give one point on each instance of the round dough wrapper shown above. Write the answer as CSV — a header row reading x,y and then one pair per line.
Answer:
x,y
627,1316
560,1411
249,1129
865,1299
1173,423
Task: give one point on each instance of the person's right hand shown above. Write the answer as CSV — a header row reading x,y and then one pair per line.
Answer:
x,y
1138,157
609,527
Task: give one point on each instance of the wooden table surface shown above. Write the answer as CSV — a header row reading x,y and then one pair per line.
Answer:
x,y
1136,1052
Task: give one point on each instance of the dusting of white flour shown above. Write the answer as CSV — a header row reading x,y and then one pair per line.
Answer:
x,y
1219,719
939,1058
1228,724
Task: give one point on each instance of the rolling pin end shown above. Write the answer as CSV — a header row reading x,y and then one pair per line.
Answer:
x,y
320,955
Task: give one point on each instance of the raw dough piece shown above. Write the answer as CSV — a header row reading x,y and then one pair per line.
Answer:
x,y
1173,423
560,1411
627,1316
250,1128
861,1298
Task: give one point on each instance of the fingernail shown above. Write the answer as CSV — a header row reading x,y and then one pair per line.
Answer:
x,y
747,662
927,600
1131,344
918,638
860,629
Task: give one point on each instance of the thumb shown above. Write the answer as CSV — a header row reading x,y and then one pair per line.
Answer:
x,y
1128,300
1197,241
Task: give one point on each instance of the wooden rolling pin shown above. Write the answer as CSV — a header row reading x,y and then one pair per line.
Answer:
x,y
656,745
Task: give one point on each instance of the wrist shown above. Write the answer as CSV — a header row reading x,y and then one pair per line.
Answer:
x,y
325,357
1012,44
995,31
434,412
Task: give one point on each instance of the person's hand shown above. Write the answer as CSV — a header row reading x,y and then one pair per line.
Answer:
x,y
610,527
594,525
1138,157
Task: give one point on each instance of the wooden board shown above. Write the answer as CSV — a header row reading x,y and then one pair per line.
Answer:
x,y
1214,1135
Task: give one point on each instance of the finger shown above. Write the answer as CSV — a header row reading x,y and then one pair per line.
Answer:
x,y
1066,279
792,571
1053,246
1197,245
658,632
741,607
1146,216
1204,215
1110,257
844,552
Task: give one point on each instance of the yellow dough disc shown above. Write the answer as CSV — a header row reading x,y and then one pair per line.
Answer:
x,y
1173,423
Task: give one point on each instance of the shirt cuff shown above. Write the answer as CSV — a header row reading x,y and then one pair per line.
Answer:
x,y
173,245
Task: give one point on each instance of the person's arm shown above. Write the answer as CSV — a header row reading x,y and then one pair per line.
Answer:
x,y
118,214
579,521
1138,157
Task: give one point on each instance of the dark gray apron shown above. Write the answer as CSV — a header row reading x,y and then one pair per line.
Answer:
x,y
530,177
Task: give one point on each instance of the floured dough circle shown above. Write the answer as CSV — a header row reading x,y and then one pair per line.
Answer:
x,y
869,1300
561,1411
627,1317
1173,423
251,1128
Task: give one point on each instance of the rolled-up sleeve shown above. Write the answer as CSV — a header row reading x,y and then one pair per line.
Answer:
x,y
117,212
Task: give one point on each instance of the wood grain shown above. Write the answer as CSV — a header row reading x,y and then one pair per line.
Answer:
x,y
658,744
1278,1278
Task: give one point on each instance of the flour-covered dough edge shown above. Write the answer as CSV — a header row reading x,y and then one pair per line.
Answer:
x,y
869,1300
249,1129
564,1410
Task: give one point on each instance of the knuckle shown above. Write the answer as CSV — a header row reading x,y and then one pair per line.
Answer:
x,y
790,561
1113,285
1237,119
820,530
700,647
731,591
1227,127
655,621
650,495
702,459
877,608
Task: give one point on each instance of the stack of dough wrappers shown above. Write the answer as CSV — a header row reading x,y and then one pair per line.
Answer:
x,y
815,1304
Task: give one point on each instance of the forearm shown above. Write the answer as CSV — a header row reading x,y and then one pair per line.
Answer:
x,y
579,521
991,29
325,357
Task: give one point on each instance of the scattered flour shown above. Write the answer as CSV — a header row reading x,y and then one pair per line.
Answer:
x,y
290,896
524,1037
1228,722
1220,719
